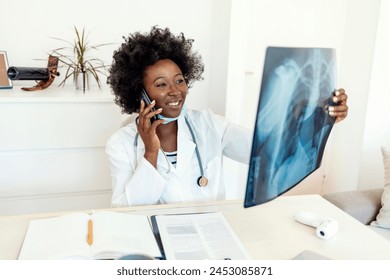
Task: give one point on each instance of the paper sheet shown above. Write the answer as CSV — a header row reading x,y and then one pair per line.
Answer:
x,y
199,236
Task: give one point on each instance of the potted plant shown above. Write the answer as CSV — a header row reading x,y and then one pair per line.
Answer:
x,y
78,63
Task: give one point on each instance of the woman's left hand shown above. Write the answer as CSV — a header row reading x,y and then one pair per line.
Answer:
x,y
339,111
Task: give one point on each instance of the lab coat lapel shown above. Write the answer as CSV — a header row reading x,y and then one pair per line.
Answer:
x,y
161,160
185,147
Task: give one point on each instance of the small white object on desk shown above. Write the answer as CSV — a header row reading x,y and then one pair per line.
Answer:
x,y
325,227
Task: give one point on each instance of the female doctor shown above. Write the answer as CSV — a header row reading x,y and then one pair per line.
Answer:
x,y
170,153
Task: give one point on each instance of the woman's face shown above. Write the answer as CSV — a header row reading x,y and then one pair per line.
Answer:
x,y
164,83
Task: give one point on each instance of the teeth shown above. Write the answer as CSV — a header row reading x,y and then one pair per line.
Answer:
x,y
174,103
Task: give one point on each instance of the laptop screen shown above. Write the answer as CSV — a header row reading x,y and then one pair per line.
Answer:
x,y
292,124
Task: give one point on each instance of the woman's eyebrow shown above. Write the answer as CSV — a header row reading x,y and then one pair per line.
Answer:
x,y
164,77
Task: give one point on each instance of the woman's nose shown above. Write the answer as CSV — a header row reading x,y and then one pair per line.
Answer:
x,y
174,90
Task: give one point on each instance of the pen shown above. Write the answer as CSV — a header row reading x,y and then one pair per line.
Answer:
x,y
90,232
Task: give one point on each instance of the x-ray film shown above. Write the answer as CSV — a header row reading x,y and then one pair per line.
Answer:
x,y
292,123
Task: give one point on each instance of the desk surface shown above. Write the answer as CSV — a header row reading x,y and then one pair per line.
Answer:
x,y
268,231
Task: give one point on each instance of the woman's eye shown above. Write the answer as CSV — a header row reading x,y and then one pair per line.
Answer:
x,y
179,81
161,85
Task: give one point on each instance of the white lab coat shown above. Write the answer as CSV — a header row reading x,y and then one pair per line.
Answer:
x,y
136,182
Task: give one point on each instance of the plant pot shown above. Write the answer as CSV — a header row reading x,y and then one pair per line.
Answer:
x,y
81,80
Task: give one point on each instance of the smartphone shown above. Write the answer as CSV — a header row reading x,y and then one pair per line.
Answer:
x,y
146,99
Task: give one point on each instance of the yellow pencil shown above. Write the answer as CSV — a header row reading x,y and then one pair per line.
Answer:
x,y
90,232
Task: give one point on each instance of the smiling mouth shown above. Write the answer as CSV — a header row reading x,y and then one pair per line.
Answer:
x,y
174,103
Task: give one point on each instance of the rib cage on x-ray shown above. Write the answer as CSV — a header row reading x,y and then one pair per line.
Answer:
x,y
292,124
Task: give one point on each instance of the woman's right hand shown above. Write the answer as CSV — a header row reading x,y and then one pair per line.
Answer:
x,y
147,131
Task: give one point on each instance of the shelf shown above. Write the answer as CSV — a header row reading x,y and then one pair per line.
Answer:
x,y
56,94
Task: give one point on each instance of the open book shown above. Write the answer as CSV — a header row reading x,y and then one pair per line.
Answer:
x,y
111,235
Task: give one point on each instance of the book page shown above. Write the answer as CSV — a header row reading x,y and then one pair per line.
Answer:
x,y
56,238
199,236
118,234
113,235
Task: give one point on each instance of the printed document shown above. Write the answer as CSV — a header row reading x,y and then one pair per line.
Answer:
x,y
198,237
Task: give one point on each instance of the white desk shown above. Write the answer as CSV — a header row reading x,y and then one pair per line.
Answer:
x,y
268,231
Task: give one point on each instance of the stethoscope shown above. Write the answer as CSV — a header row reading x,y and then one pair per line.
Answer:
x,y
202,181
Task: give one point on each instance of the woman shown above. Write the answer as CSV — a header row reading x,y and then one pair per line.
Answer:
x,y
178,156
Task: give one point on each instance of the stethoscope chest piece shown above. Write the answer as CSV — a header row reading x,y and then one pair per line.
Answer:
x,y
202,181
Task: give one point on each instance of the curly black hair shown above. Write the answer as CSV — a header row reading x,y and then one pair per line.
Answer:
x,y
142,50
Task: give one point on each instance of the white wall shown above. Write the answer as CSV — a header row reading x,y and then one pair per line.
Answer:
x,y
52,150
355,74
377,128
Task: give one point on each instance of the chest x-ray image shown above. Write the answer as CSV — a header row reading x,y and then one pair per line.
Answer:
x,y
292,124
